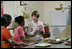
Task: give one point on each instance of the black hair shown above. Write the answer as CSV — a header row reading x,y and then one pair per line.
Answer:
x,y
6,18
19,19
35,13
3,21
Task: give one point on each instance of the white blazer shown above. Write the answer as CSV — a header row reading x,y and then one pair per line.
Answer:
x,y
32,25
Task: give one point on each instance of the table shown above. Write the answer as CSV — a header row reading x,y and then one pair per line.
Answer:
x,y
52,46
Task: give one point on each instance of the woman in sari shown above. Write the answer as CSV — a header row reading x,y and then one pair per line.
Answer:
x,y
6,39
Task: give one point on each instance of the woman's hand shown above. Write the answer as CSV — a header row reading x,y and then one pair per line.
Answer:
x,y
40,28
36,29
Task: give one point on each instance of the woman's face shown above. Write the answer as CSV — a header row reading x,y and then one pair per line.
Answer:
x,y
34,18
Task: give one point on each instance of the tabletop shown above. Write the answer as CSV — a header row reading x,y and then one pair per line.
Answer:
x,y
61,45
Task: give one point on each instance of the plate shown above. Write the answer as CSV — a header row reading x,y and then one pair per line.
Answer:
x,y
42,44
56,41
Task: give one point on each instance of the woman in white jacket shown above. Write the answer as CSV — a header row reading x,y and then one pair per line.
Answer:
x,y
36,27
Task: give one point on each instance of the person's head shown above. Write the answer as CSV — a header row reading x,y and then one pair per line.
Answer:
x,y
20,20
6,20
35,15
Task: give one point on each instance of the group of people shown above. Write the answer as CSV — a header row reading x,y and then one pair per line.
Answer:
x,y
35,31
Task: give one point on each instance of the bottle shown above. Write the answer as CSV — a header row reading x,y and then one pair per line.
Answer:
x,y
46,34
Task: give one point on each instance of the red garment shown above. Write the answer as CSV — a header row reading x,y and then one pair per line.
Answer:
x,y
5,36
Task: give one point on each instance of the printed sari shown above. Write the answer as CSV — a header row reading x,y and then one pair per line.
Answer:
x,y
5,38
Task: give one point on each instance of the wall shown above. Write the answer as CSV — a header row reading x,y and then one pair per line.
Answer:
x,y
14,9
38,5
50,6
44,7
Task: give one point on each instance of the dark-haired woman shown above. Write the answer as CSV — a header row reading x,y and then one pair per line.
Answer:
x,y
19,33
6,39
35,28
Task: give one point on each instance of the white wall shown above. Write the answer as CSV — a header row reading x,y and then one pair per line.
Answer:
x,y
14,9
44,7
38,5
50,6
8,7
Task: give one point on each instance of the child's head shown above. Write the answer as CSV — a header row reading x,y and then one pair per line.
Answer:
x,y
6,20
20,20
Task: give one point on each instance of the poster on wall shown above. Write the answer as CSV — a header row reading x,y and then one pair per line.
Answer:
x,y
1,8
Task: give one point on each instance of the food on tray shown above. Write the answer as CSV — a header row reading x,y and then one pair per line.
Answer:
x,y
43,44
